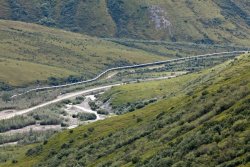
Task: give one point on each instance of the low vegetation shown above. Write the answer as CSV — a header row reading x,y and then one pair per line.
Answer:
x,y
47,117
204,124
86,116
25,138
102,112
35,98
200,118
93,105
16,122
132,106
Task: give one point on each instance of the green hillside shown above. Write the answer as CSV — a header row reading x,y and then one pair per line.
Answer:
x,y
31,52
214,21
201,120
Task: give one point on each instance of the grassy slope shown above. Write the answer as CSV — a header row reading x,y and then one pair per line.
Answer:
x,y
203,122
7,152
20,72
121,96
65,52
176,49
221,21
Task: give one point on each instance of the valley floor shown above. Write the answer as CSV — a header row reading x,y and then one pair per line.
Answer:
x,y
199,119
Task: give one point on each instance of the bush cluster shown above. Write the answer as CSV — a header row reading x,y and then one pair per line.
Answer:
x,y
86,116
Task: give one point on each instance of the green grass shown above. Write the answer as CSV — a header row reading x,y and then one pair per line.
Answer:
x,y
7,152
14,72
143,91
205,123
49,52
176,49
30,52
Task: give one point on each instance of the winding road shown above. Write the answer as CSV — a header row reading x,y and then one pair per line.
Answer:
x,y
132,66
8,115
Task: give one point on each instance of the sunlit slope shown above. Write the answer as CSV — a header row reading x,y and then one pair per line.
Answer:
x,y
52,52
17,73
201,123
214,21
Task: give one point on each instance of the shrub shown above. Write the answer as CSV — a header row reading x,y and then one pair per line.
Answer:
x,y
93,106
45,142
78,100
82,98
63,153
34,151
63,124
66,101
65,145
47,21
46,117
240,125
140,105
204,93
131,109
159,125
218,129
16,122
91,129
135,160
86,116
14,161
6,97
138,120
51,121
160,115
53,81
102,112
71,141
52,153
165,162
5,87
85,135
152,100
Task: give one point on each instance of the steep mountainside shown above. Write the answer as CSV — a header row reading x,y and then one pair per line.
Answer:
x,y
214,21
200,119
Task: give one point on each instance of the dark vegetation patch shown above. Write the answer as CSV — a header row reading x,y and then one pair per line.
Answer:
x,y
86,116
16,122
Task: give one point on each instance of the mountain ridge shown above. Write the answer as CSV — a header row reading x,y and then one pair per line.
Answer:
x,y
202,21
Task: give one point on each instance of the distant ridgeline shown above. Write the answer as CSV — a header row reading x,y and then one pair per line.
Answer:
x,y
214,21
